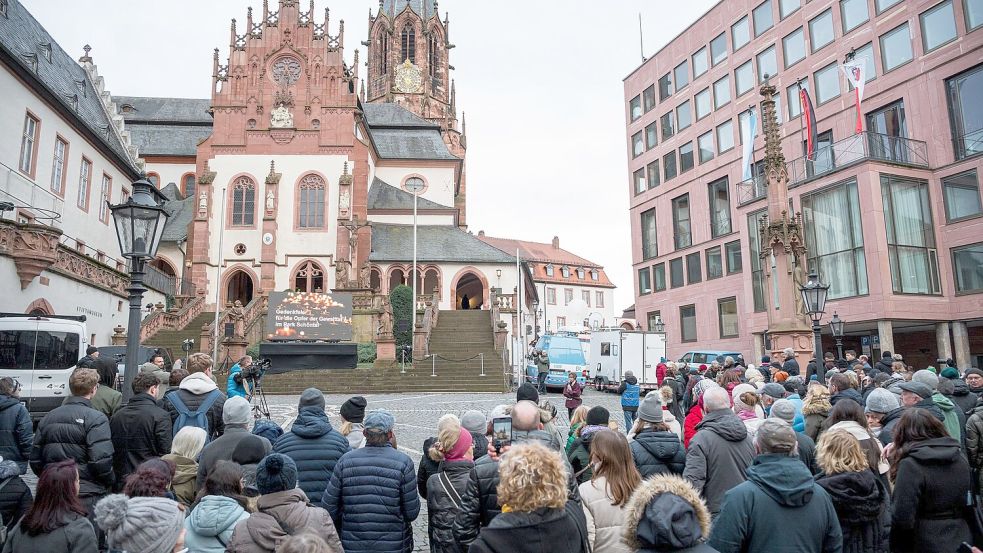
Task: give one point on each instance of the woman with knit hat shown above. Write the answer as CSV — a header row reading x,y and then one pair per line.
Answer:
x,y
352,414
453,450
144,524
695,414
655,448
597,420
747,405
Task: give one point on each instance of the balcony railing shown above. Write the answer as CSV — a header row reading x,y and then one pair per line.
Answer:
x,y
970,144
44,205
856,148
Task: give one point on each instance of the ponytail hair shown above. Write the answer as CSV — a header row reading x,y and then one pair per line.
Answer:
x,y
448,432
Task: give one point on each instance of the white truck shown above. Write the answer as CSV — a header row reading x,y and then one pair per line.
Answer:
x,y
614,351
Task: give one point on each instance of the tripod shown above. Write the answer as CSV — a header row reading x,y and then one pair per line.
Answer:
x,y
257,397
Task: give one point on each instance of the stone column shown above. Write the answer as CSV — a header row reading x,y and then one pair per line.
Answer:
x,y
960,337
759,348
943,344
885,333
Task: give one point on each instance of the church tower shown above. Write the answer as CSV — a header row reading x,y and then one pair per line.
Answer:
x,y
408,60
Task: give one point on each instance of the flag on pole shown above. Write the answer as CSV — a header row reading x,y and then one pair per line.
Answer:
x,y
809,115
750,132
855,71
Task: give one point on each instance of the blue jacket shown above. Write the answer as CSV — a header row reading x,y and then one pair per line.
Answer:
x,y
209,526
315,447
373,500
232,388
16,432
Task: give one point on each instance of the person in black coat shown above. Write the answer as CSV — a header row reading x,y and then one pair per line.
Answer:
x,y
313,444
931,483
655,449
453,450
15,496
16,429
140,429
89,443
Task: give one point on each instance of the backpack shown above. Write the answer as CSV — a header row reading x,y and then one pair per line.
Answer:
x,y
3,525
197,418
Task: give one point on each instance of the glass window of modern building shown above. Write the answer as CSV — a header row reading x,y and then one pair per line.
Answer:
x,y
701,62
638,178
681,75
637,144
896,47
686,161
767,64
694,269
794,102
652,169
721,92
635,107
886,126
740,33
962,196
732,252
648,98
703,103
910,235
788,7
715,263
882,5
668,122
974,13
764,18
827,83
821,30
687,323
705,144
853,13
719,208
725,136
659,276
718,49
963,93
676,273
866,54
684,115
727,317
834,238
651,135
669,165
650,246
744,78
744,124
967,264
665,87
938,26
794,47
682,231
758,265
644,281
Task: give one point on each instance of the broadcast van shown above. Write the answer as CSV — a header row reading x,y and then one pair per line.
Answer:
x,y
614,351
40,352
565,354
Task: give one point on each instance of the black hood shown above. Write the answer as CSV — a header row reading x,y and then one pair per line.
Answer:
x,y
725,424
7,401
959,387
784,479
660,444
891,415
849,393
857,496
940,451
631,380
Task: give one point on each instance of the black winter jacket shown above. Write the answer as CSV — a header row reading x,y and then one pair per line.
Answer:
x,y
428,467
539,531
315,447
962,397
15,496
141,431
930,490
74,430
373,500
193,391
442,508
863,506
16,432
657,452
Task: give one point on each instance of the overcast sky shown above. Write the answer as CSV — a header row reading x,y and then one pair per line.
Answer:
x,y
540,81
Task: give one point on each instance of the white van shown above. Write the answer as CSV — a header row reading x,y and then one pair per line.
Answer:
x,y
613,351
41,353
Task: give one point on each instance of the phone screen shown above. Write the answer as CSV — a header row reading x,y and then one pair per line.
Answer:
x,y
502,431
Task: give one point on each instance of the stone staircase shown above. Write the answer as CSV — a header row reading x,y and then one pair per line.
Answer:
x,y
455,343
171,340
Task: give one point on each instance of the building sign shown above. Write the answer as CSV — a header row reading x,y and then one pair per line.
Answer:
x,y
309,316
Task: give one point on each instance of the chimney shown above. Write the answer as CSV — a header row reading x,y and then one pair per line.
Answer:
x,y
556,242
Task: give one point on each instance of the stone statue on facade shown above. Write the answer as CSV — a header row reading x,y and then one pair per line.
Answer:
x,y
364,275
237,316
202,202
341,274
281,118
344,201
270,200
386,319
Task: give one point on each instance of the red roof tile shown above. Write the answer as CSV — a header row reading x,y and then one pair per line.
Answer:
x,y
538,254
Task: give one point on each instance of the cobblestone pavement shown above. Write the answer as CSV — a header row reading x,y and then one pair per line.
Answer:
x,y
416,420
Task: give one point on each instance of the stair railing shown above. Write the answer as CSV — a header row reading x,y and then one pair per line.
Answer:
x,y
161,320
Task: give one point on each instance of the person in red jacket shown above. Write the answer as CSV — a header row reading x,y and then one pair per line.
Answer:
x,y
695,414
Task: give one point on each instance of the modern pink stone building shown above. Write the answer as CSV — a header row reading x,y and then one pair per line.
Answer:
x,y
893,215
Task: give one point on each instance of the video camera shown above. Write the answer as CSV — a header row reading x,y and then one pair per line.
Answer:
x,y
256,370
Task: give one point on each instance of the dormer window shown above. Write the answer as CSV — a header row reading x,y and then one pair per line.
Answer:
x,y
32,61
549,269
580,273
45,49
593,274
565,271
127,108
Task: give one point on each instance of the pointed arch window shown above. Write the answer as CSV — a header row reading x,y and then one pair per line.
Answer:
x,y
408,44
243,202
433,60
309,277
383,53
189,185
310,202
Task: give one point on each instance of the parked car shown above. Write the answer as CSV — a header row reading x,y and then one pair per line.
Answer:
x,y
40,352
694,359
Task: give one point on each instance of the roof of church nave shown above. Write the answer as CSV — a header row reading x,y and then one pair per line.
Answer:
x,y
26,43
399,134
423,8
435,244
147,109
383,195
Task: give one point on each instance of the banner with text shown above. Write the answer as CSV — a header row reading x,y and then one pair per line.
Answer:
x,y
309,316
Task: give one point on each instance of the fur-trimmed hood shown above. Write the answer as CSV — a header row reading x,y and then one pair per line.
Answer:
x,y
816,403
665,533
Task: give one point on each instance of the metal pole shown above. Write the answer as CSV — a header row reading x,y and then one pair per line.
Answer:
x,y
433,365
413,327
218,280
818,346
136,290
482,356
402,354
839,347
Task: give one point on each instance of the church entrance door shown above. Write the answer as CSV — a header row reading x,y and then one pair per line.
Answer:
x,y
470,292
240,287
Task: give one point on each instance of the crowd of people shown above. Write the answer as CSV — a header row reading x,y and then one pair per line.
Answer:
x,y
725,457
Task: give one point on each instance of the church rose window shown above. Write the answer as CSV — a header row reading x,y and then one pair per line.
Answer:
x,y
243,202
286,71
311,195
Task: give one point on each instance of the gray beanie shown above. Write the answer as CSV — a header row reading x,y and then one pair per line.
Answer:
x,y
145,524
881,401
236,410
782,409
311,397
474,421
650,409
927,378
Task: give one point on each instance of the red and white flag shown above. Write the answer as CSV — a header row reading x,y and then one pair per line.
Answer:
x,y
855,71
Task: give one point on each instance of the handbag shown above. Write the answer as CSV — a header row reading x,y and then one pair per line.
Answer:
x,y
974,516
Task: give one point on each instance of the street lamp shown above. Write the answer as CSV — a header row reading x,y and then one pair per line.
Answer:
x,y
814,297
414,185
139,226
658,326
836,325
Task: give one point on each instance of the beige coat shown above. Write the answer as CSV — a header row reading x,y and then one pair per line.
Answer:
x,y
604,520
263,531
183,485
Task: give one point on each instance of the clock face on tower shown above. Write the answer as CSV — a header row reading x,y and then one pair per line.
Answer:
x,y
409,78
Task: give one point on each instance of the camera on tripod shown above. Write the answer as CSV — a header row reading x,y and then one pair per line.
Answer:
x,y
256,370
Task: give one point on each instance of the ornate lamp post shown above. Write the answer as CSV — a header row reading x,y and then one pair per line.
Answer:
x,y
659,327
836,325
814,299
139,226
